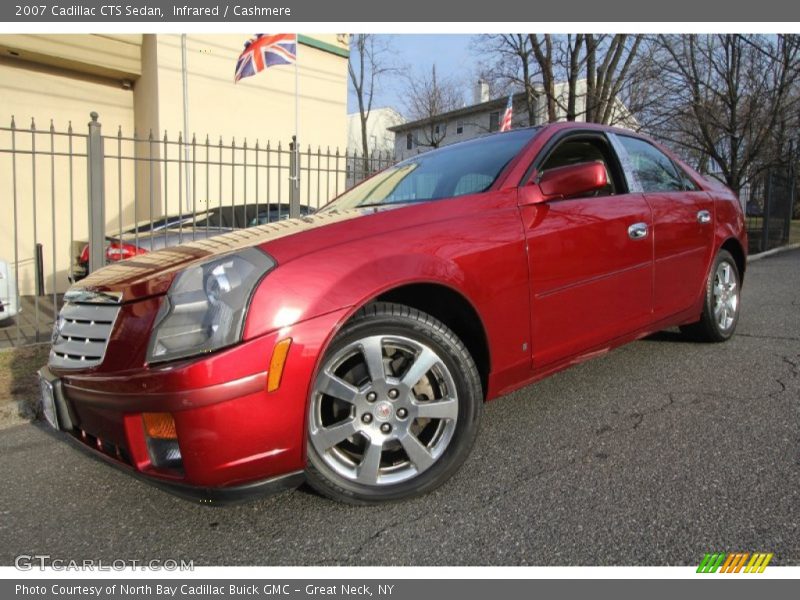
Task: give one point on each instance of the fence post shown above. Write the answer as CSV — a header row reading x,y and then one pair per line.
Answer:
x,y
766,211
792,199
294,178
96,187
39,270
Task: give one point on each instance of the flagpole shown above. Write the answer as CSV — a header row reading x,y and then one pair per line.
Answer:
x,y
296,89
185,82
292,206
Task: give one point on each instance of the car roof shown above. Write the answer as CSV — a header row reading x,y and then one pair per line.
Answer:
x,y
581,126
473,142
535,129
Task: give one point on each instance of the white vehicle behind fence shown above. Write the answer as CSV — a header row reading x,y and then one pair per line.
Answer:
x,y
8,293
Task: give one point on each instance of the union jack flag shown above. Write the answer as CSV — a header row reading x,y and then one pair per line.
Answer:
x,y
264,51
506,124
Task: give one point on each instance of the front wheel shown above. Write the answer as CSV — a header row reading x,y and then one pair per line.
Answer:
x,y
394,408
722,302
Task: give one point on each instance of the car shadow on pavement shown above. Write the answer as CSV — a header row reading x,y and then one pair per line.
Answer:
x,y
670,335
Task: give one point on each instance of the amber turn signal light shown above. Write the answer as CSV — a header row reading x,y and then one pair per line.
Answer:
x,y
159,426
277,363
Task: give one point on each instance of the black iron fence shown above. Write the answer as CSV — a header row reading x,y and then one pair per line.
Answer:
x,y
768,201
73,200
360,168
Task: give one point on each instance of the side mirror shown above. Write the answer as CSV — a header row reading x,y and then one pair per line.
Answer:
x,y
573,180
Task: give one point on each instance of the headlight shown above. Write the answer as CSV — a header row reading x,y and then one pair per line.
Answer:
x,y
206,304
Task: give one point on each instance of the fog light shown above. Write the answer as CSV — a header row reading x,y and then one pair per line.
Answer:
x,y
162,440
165,454
160,426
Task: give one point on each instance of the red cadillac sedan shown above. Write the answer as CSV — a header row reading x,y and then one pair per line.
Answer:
x,y
354,349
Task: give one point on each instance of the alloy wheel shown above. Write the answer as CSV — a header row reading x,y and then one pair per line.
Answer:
x,y
726,295
383,410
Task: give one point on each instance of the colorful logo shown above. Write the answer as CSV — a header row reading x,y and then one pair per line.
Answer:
x,y
735,562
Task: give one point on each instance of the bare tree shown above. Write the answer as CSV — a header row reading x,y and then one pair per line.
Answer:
x,y
553,66
429,96
730,103
373,64
574,65
542,49
507,63
730,98
609,65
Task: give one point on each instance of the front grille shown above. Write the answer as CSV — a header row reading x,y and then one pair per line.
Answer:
x,y
81,334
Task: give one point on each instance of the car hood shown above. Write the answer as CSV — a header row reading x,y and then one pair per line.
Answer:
x,y
166,238
151,274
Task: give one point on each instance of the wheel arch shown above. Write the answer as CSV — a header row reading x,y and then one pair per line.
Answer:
x,y
734,246
451,308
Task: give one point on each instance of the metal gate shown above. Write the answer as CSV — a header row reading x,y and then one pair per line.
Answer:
x,y
73,201
769,202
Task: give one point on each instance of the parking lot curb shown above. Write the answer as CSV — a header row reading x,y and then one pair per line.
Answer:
x,y
772,252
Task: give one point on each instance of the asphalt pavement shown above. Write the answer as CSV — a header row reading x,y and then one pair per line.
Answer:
x,y
654,454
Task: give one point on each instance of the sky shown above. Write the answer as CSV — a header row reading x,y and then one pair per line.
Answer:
x,y
450,52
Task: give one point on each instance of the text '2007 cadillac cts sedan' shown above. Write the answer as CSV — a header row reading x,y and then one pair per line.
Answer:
x,y
354,348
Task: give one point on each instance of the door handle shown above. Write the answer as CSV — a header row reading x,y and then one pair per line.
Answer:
x,y
637,231
703,217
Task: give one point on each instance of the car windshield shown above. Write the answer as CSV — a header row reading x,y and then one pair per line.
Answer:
x,y
467,168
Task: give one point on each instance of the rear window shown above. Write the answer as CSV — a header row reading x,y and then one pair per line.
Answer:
x,y
466,168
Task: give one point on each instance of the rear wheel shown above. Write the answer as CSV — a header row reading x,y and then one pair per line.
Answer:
x,y
394,409
722,302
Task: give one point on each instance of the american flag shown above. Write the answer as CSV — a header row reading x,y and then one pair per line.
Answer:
x,y
264,51
506,124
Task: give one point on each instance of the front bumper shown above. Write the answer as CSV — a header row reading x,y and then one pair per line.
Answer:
x,y
236,439
203,495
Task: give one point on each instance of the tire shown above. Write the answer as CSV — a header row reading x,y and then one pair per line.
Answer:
x,y
390,429
722,303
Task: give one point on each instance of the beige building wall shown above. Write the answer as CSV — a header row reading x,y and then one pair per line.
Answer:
x,y
257,109
134,83
260,107
114,56
38,95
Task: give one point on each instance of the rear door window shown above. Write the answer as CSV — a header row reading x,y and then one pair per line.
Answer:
x,y
654,169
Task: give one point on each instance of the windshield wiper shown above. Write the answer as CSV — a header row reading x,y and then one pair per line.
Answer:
x,y
376,204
